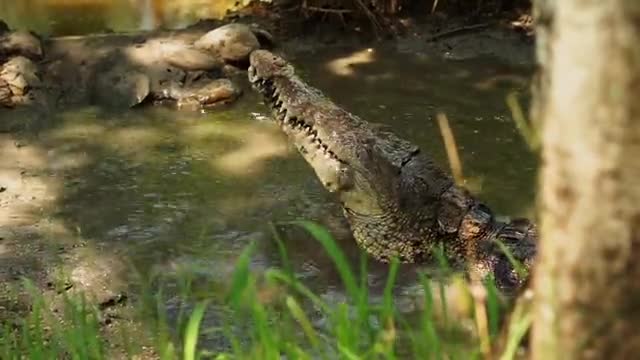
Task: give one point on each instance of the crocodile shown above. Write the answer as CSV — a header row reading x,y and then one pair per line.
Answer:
x,y
396,199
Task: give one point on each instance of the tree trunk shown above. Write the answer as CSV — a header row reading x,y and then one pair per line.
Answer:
x,y
587,279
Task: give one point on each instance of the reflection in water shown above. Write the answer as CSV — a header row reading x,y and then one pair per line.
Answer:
x,y
74,17
343,66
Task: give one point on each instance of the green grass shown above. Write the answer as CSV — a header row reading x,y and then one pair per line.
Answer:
x,y
45,335
272,314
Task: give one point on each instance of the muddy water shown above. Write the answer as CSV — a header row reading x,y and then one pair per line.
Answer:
x,y
176,190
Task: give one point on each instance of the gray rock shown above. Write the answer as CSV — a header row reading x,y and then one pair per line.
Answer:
x,y
21,43
191,59
4,28
122,88
233,42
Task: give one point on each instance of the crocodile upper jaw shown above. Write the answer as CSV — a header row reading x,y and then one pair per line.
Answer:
x,y
333,172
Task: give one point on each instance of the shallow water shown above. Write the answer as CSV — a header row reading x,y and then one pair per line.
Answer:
x,y
171,188
175,191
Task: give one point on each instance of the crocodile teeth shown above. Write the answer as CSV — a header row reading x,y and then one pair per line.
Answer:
x,y
286,120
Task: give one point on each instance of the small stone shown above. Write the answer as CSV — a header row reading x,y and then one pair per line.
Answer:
x,y
5,94
20,66
18,77
233,42
205,92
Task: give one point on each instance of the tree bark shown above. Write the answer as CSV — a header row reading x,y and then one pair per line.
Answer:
x,y
587,279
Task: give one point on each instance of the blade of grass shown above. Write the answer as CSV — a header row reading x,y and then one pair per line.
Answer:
x,y
519,324
444,265
192,331
388,319
278,275
345,331
518,332
387,307
434,6
493,307
284,257
431,340
529,133
185,282
34,337
520,269
266,337
451,148
164,343
348,353
478,292
302,319
338,257
363,306
241,275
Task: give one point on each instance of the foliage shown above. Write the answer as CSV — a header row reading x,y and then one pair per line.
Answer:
x,y
43,335
275,314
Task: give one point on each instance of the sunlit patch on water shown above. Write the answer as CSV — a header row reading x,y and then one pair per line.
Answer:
x,y
343,66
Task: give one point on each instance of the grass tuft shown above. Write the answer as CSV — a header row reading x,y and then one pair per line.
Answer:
x,y
274,315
